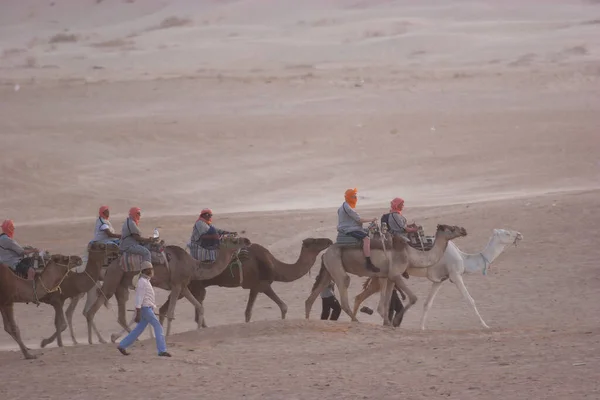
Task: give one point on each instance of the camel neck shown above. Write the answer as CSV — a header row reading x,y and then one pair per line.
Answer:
x,y
285,272
482,260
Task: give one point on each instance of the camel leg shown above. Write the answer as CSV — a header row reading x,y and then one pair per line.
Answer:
x,y
199,307
162,311
385,298
273,296
69,314
175,291
91,297
251,299
458,281
200,296
343,282
122,295
435,287
373,288
10,326
412,299
59,325
112,278
324,279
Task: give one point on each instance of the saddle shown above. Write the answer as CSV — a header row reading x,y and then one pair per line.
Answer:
x,y
419,241
346,241
416,240
133,262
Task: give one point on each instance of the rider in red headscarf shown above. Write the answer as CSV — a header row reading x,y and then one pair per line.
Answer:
x,y
131,238
205,239
104,232
351,224
396,222
13,255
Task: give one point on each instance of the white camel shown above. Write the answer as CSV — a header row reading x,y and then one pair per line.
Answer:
x,y
453,264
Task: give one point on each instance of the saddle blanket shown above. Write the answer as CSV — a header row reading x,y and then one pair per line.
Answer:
x,y
133,262
210,256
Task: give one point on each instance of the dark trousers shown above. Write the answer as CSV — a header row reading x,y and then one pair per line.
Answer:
x,y
396,306
331,305
23,267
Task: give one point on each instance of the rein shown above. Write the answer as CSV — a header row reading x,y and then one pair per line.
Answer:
x,y
55,288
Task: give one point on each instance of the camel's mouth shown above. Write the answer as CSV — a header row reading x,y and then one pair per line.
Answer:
x,y
519,236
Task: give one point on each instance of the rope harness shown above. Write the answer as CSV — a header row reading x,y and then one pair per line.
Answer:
x,y
55,288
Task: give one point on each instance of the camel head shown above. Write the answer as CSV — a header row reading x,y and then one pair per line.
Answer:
x,y
69,262
316,244
451,232
235,242
505,236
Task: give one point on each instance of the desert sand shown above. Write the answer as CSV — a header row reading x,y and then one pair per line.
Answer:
x,y
480,114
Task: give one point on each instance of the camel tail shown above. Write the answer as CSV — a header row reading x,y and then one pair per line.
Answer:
x,y
321,273
367,283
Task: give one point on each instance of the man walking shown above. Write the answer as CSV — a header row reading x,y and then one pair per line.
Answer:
x,y
144,314
330,303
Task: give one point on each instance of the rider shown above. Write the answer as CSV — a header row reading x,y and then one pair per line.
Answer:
x,y
13,255
131,237
396,222
205,239
104,232
350,223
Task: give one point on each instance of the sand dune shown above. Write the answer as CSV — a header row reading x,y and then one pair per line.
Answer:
x,y
481,114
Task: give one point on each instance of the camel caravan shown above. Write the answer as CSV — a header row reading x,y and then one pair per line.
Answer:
x,y
387,252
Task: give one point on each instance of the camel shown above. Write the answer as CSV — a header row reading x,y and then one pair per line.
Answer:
x,y
74,287
260,269
14,289
174,276
453,265
339,261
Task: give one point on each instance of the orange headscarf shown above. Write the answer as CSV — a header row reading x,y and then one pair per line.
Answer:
x,y
133,214
203,212
101,211
396,205
350,197
8,227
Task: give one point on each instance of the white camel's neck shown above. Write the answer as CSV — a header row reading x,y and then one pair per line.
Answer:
x,y
477,263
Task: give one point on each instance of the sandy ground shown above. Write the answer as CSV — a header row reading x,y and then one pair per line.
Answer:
x,y
479,114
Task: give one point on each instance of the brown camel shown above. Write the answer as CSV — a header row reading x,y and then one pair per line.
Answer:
x,y
339,261
260,269
174,276
73,287
14,289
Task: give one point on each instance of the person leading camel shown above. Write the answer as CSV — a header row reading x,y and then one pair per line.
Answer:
x,y
330,304
13,255
104,231
205,239
131,237
350,223
144,314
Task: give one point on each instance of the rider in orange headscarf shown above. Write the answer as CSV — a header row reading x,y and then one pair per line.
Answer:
x,y
350,223
12,254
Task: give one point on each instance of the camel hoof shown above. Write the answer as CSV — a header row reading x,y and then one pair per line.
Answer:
x,y
486,326
44,343
30,356
113,338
